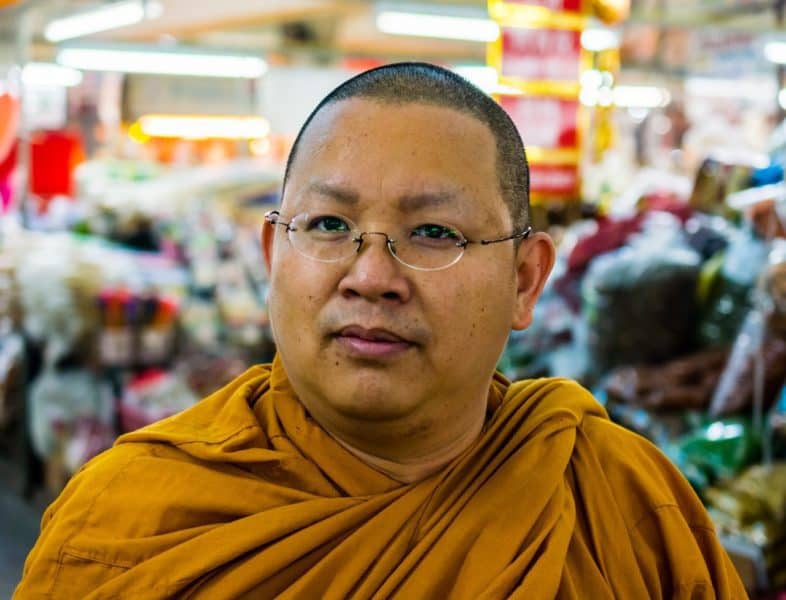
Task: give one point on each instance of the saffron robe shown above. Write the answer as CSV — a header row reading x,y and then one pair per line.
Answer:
x,y
245,496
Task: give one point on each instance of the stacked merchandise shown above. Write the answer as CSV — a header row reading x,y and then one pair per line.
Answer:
x,y
129,304
674,313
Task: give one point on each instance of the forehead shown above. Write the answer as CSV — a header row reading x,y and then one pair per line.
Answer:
x,y
388,149
359,121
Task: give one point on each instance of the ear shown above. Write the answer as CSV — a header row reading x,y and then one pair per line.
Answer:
x,y
534,260
266,236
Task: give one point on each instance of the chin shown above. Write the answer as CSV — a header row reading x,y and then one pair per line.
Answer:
x,y
372,400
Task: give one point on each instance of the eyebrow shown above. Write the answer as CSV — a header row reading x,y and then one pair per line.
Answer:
x,y
412,202
336,192
407,202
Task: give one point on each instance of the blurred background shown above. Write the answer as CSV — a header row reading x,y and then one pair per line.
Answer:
x,y
142,141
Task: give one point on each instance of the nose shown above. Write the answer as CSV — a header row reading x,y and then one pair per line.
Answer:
x,y
374,274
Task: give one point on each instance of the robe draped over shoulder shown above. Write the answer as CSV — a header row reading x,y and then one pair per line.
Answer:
x,y
245,496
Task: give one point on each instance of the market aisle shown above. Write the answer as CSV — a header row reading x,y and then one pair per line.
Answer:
x,y
18,531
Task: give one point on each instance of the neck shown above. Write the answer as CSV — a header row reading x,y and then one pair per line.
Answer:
x,y
418,468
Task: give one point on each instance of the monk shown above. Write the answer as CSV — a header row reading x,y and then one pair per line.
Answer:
x,y
380,455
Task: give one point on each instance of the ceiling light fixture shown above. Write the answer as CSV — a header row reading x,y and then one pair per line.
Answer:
x,y
204,127
50,74
597,39
162,62
456,23
109,16
486,79
775,52
641,96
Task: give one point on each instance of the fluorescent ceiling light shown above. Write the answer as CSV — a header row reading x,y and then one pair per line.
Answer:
x,y
775,52
162,62
109,16
49,74
474,29
753,88
481,76
596,39
641,96
625,96
204,127
486,79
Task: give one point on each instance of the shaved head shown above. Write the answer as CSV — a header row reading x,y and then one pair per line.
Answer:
x,y
405,83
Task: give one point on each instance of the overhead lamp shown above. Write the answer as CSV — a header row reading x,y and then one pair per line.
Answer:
x,y
50,74
597,39
486,79
482,77
775,52
458,23
641,96
204,127
106,17
162,62
753,89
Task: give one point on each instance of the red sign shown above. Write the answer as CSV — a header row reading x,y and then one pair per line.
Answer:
x,y
544,121
555,5
9,121
554,180
541,54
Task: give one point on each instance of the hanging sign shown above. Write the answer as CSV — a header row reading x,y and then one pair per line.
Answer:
x,y
544,122
554,180
554,5
541,54
9,121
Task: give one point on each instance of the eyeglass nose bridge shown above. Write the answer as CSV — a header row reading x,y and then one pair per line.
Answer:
x,y
389,241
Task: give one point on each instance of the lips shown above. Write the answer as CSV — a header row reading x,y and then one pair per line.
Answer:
x,y
371,335
375,343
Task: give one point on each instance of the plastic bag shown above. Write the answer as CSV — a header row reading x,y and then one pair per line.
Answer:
x,y
752,351
640,301
756,368
729,297
152,396
718,450
752,506
61,404
685,383
11,374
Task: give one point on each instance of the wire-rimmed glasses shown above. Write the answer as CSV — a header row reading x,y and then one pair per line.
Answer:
x,y
332,238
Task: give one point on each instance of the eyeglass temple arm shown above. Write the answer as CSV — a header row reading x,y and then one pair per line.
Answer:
x,y
521,234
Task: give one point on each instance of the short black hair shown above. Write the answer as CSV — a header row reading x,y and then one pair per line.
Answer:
x,y
417,82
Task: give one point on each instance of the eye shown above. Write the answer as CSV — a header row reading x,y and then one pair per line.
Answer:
x,y
431,233
328,224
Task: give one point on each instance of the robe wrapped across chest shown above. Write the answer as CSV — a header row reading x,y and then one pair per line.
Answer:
x,y
245,496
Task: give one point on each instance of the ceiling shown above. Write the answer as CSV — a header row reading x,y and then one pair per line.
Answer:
x,y
318,29
321,30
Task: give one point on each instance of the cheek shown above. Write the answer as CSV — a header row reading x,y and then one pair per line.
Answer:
x,y
476,312
298,291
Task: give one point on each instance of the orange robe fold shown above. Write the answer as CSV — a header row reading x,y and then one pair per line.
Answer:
x,y
245,496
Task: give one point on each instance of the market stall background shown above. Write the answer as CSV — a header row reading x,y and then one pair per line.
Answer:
x,y
136,164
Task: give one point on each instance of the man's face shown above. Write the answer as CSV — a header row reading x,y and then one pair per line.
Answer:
x,y
368,339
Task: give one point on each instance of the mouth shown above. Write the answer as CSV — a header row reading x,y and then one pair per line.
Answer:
x,y
374,343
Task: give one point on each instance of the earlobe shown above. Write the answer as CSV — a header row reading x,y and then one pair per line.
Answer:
x,y
534,260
